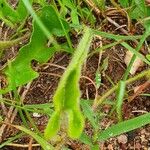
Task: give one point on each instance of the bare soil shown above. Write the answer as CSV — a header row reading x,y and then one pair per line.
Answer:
x,y
42,89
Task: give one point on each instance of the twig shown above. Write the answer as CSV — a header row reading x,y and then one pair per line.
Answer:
x,y
6,44
139,91
2,104
30,144
92,5
117,25
12,114
22,145
2,128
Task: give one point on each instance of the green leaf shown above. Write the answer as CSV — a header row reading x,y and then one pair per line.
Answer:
x,y
69,4
88,112
100,3
67,96
95,147
86,139
88,15
53,125
115,37
98,79
45,108
10,15
11,139
51,18
148,57
74,13
139,10
124,127
36,49
124,3
104,66
74,17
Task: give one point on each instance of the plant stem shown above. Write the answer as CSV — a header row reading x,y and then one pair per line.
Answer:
x,y
6,44
145,35
109,92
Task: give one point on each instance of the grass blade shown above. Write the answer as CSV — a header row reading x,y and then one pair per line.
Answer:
x,y
124,127
120,95
44,144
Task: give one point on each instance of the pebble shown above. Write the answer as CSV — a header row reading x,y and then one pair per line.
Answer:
x,y
122,139
36,115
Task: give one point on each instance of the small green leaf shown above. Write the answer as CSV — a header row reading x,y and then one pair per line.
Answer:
x,y
88,112
86,139
74,17
98,79
88,15
74,13
95,147
105,64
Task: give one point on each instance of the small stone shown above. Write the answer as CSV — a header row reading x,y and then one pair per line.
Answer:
x,y
138,146
143,131
137,63
110,147
36,115
122,139
143,138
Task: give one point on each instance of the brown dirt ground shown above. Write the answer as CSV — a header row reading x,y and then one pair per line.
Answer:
x,y
43,88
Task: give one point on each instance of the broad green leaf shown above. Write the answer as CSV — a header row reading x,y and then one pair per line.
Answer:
x,y
36,49
67,96
124,127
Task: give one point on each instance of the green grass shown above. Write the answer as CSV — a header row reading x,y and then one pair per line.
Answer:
x,y
71,20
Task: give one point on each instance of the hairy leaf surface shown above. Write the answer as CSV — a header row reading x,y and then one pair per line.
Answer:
x,y
67,96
